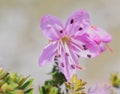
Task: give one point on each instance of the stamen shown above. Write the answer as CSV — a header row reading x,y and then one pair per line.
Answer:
x,y
66,39
68,51
81,68
108,47
57,54
94,27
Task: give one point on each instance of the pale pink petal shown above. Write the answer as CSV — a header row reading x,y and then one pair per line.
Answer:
x,y
102,47
71,54
48,54
65,65
85,47
69,69
99,35
77,22
51,27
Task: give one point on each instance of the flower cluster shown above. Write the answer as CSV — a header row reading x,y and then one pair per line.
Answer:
x,y
78,38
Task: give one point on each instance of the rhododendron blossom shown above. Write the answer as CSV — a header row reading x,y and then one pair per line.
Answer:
x,y
76,39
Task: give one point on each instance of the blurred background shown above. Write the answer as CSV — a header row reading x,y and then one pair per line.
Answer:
x,y
21,40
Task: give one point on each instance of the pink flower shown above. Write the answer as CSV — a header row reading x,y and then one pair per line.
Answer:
x,y
71,41
100,36
104,89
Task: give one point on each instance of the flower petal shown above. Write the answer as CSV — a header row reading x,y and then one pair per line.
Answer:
x,y
74,57
77,22
48,53
99,35
51,27
85,46
100,89
65,65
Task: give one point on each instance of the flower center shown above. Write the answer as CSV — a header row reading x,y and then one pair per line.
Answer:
x,y
66,39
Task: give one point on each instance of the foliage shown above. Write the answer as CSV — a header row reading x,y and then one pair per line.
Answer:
x,y
12,83
53,86
115,80
75,86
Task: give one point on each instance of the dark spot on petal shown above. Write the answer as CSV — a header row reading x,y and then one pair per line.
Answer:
x,y
80,28
89,56
72,66
59,55
78,56
84,47
61,31
62,64
67,54
71,21
56,58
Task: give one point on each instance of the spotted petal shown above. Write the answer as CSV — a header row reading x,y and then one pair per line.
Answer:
x,y
48,54
85,47
65,65
77,22
51,27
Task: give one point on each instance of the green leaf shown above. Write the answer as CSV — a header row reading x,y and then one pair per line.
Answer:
x,y
29,91
10,83
115,80
22,80
5,87
15,92
27,84
40,90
